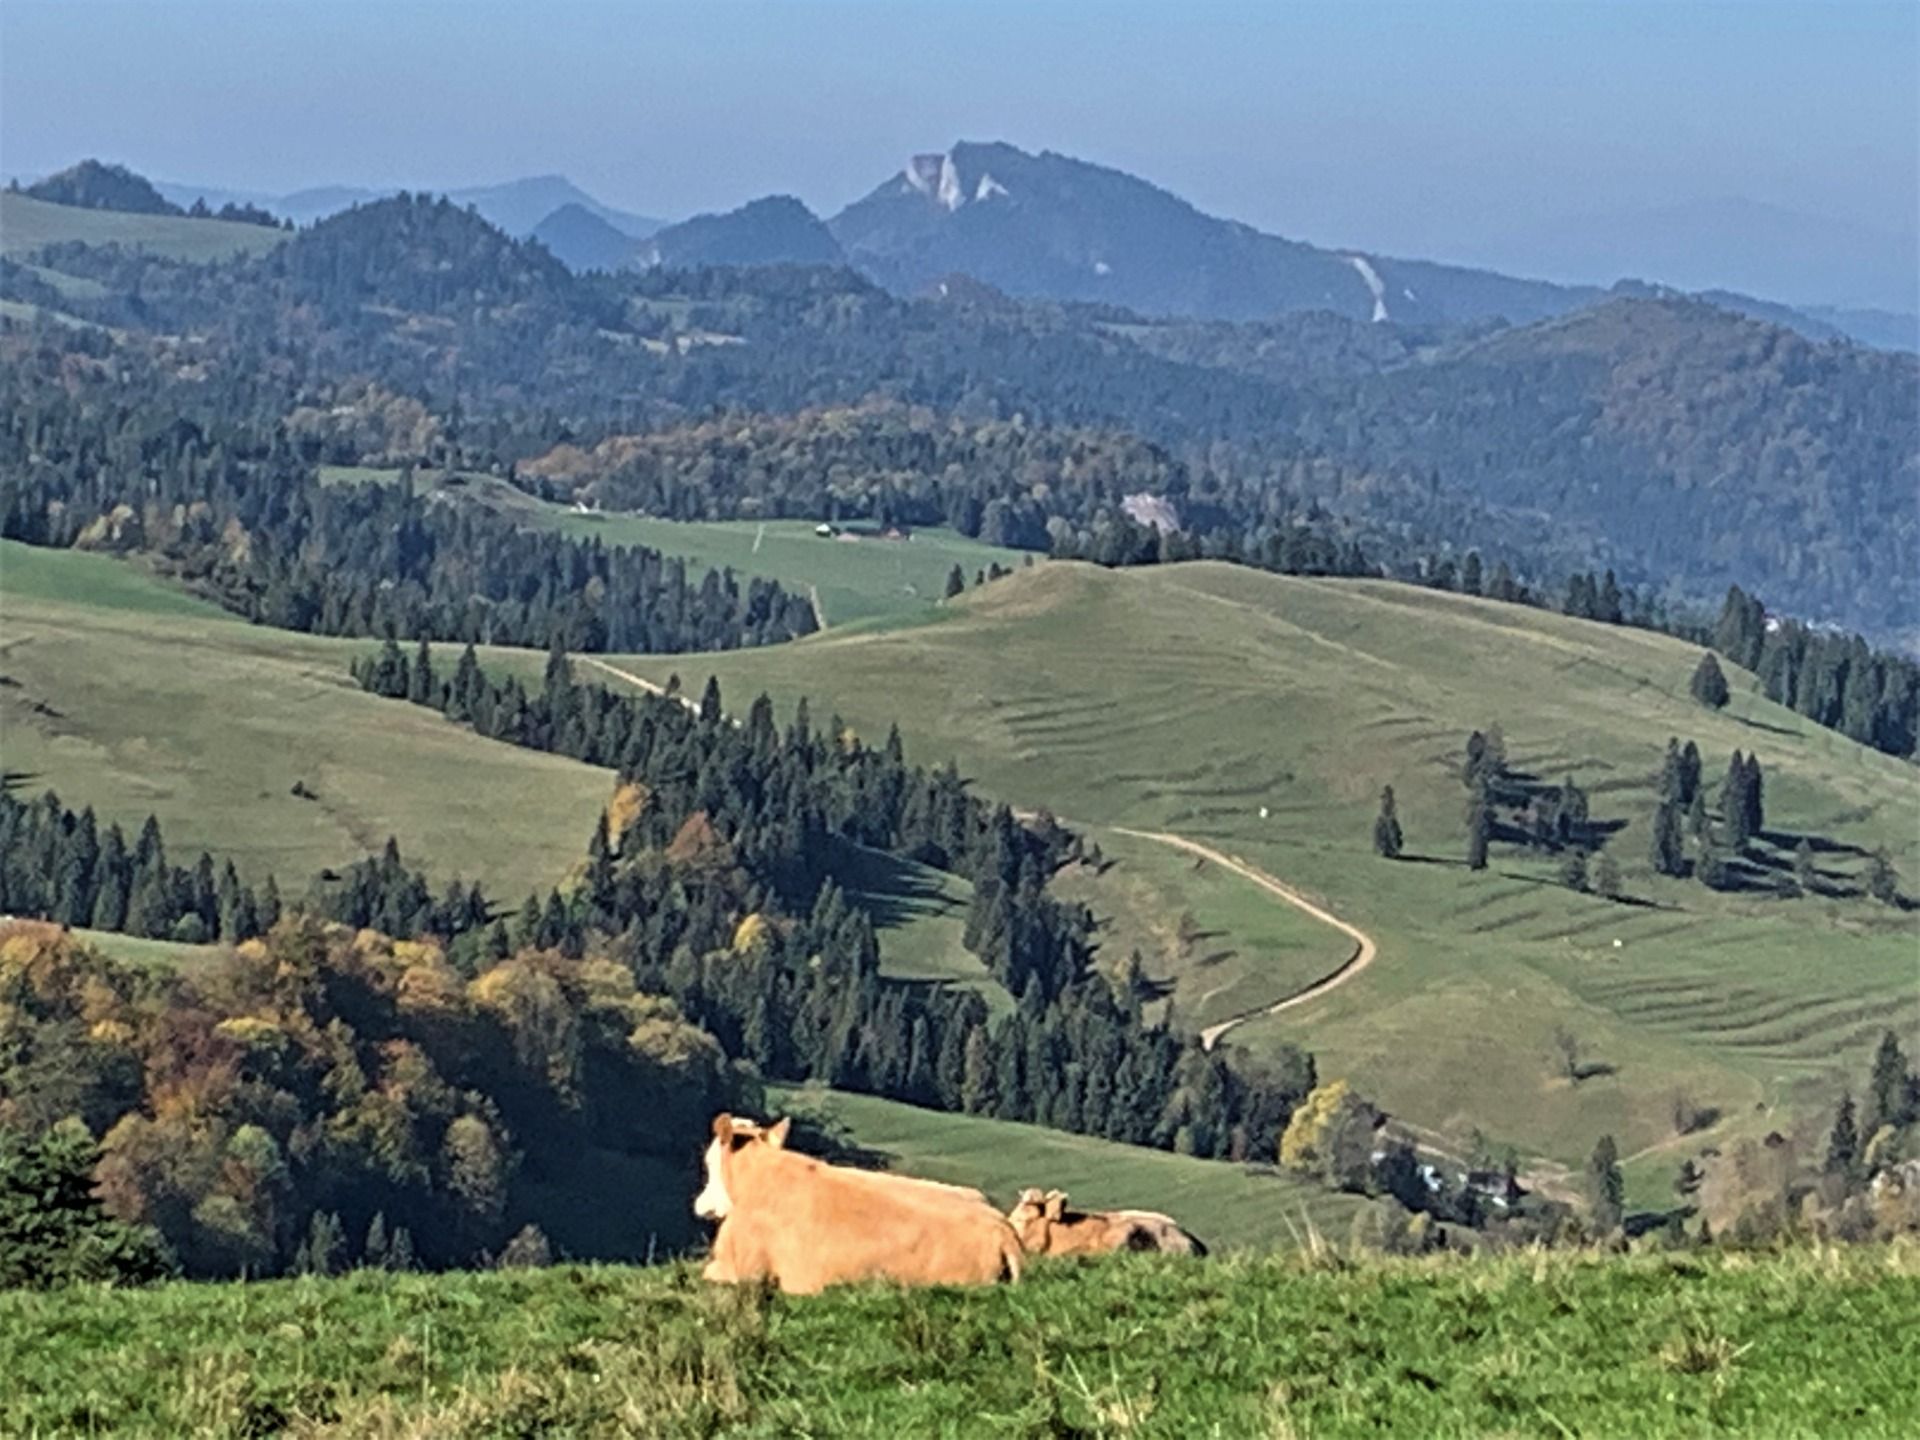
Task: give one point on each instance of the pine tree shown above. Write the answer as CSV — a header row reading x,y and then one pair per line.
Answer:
x,y
956,582
1843,1141
1667,851
1689,772
977,1095
1470,574
1387,839
1734,809
1886,1091
1606,876
1479,827
710,711
1606,1191
1709,685
375,1251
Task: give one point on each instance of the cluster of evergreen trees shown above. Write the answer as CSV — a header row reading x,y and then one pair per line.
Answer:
x,y
59,865
1834,679
711,878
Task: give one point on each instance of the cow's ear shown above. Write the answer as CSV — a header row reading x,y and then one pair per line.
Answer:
x,y
777,1135
723,1127
1056,1204
1031,1196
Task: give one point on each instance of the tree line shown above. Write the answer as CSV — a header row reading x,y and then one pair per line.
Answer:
x,y
60,865
711,879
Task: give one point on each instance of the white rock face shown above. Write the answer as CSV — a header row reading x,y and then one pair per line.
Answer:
x,y
938,178
988,188
1101,267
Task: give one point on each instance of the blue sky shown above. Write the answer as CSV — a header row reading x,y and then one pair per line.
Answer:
x,y
1447,130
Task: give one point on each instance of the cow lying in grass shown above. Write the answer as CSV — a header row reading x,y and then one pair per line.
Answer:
x,y
805,1224
1047,1227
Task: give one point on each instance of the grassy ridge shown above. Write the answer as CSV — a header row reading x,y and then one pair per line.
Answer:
x,y
27,224
1794,1344
1187,698
129,696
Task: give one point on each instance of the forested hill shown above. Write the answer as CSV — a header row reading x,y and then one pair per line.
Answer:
x,y
1683,446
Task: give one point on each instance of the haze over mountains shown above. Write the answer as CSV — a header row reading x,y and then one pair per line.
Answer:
x,y
1048,226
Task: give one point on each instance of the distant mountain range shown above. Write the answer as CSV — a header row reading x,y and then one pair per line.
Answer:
x,y
1051,227
515,206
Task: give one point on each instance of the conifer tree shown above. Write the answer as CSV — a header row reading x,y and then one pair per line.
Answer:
x,y
1709,685
956,582
1606,1190
1387,839
1573,870
1606,876
1479,828
1843,1141
1667,852
1886,1090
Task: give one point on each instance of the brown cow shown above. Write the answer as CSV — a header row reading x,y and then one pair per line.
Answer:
x,y
805,1224
1047,1227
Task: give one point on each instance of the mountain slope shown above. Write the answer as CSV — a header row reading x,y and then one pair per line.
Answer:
x,y
774,230
27,224
1048,225
1692,440
581,240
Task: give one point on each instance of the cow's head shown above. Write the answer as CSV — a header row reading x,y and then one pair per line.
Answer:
x,y
731,1134
1034,1213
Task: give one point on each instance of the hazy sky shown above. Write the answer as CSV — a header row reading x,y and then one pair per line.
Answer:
x,y
1434,129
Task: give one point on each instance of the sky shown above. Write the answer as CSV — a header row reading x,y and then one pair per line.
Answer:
x,y
1537,136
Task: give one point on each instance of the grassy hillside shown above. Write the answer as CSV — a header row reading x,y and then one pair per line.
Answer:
x,y
123,693
1188,698
27,224
1794,1344
850,579
1231,1207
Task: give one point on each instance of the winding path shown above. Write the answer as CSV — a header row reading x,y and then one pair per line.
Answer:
x,y
1364,948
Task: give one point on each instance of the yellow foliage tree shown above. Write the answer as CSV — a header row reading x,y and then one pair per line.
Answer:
x,y
750,934
628,804
1331,1135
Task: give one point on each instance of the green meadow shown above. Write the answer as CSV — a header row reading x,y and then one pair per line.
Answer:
x,y
27,225
124,693
852,577
1801,1343
1262,715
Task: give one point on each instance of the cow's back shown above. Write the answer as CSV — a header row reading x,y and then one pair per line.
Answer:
x,y
817,1225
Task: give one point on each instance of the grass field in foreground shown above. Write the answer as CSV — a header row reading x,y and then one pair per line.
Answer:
x,y
27,224
1187,698
1252,1207
125,694
1798,1344
866,579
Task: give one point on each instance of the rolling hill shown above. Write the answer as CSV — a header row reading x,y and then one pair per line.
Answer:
x,y
775,230
1261,715
27,224
230,716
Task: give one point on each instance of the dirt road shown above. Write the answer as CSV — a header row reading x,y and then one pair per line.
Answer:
x,y
1364,948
